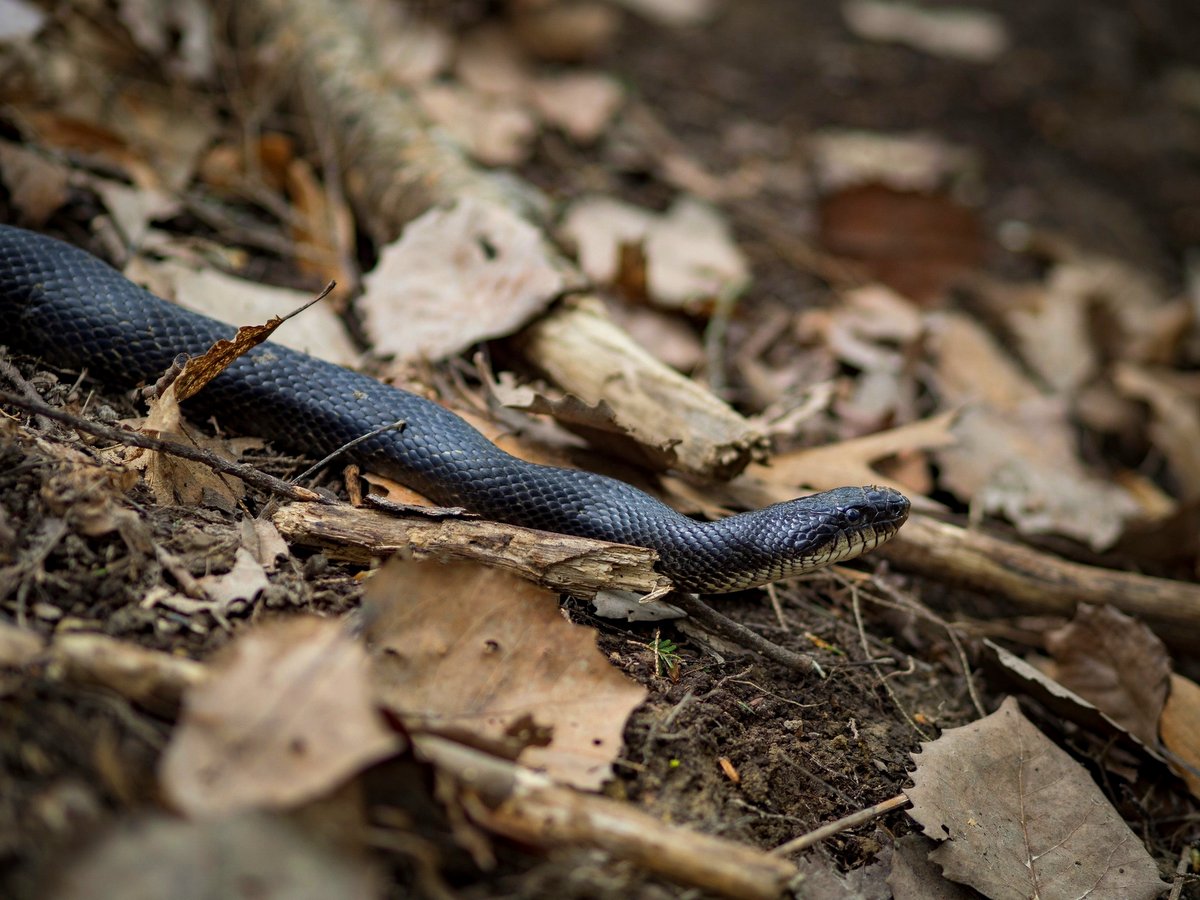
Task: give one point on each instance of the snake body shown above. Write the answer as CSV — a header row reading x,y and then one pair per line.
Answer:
x,y
67,306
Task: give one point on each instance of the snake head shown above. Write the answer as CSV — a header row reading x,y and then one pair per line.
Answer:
x,y
838,525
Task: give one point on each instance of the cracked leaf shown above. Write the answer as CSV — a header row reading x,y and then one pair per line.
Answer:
x,y
1017,817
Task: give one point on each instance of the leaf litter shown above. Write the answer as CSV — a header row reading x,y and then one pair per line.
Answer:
x,y
1010,416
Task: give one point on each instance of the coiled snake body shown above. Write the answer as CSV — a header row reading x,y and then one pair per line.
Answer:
x,y
65,305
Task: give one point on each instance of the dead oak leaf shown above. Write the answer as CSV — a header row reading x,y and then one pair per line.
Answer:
x,y
1018,818
465,648
1115,662
284,716
456,277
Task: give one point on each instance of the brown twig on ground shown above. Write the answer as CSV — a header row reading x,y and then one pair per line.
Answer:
x,y
843,824
723,626
528,807
248,474
1033,581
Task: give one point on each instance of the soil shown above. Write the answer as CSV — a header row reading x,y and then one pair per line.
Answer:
x,y
1075,133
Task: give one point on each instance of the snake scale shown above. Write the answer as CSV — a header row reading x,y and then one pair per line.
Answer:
x,y
68,307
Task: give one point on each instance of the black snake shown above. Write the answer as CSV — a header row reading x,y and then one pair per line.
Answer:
x,y
65,305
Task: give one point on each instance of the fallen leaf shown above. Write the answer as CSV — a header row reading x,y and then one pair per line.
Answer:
x,y
1175,420
319,331
582,104
180,33
1015,453
284,716
456,277
243,583
37,186
1115,662
471,649
919,243
497,131
1180,730
1016,817
844,158
972,35
691,258
914,877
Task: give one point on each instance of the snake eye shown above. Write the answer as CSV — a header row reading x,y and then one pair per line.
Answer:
x,y
852,514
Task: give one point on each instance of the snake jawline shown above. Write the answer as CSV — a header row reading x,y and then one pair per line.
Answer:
x,y
65,305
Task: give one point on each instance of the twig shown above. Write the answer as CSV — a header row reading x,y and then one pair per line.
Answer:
x,y
725,627
248,474
856,605
843,824
349,445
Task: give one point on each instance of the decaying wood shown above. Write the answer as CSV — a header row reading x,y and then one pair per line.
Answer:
x,y
578,345
397,168
1036,582
528,807
556,561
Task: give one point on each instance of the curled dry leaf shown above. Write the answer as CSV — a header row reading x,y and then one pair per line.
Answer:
x,y
37,186
1115,662
691,257
1018,818
284,716
456,277
464,648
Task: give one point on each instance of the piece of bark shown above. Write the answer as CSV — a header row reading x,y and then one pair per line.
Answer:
x,y
557,561
580,347
397,168
528,807
1036,582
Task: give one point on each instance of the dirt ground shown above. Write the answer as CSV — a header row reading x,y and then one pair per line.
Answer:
x,y
1072,132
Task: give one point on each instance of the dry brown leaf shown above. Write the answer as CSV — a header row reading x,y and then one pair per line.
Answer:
x,y
691,257
322,227
1038,682
244,582
319,331
566,32
255,854
37,186
914,877
919,243
1180,730
1175,424
284,716
1024,467
850,462
1115,662
1018,818
1015,453
465,648
457,277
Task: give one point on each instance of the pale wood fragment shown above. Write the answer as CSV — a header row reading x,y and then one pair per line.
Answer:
x,y
557,561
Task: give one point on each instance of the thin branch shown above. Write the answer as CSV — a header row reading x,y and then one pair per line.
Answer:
x,y
248,474
843,824
704,615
